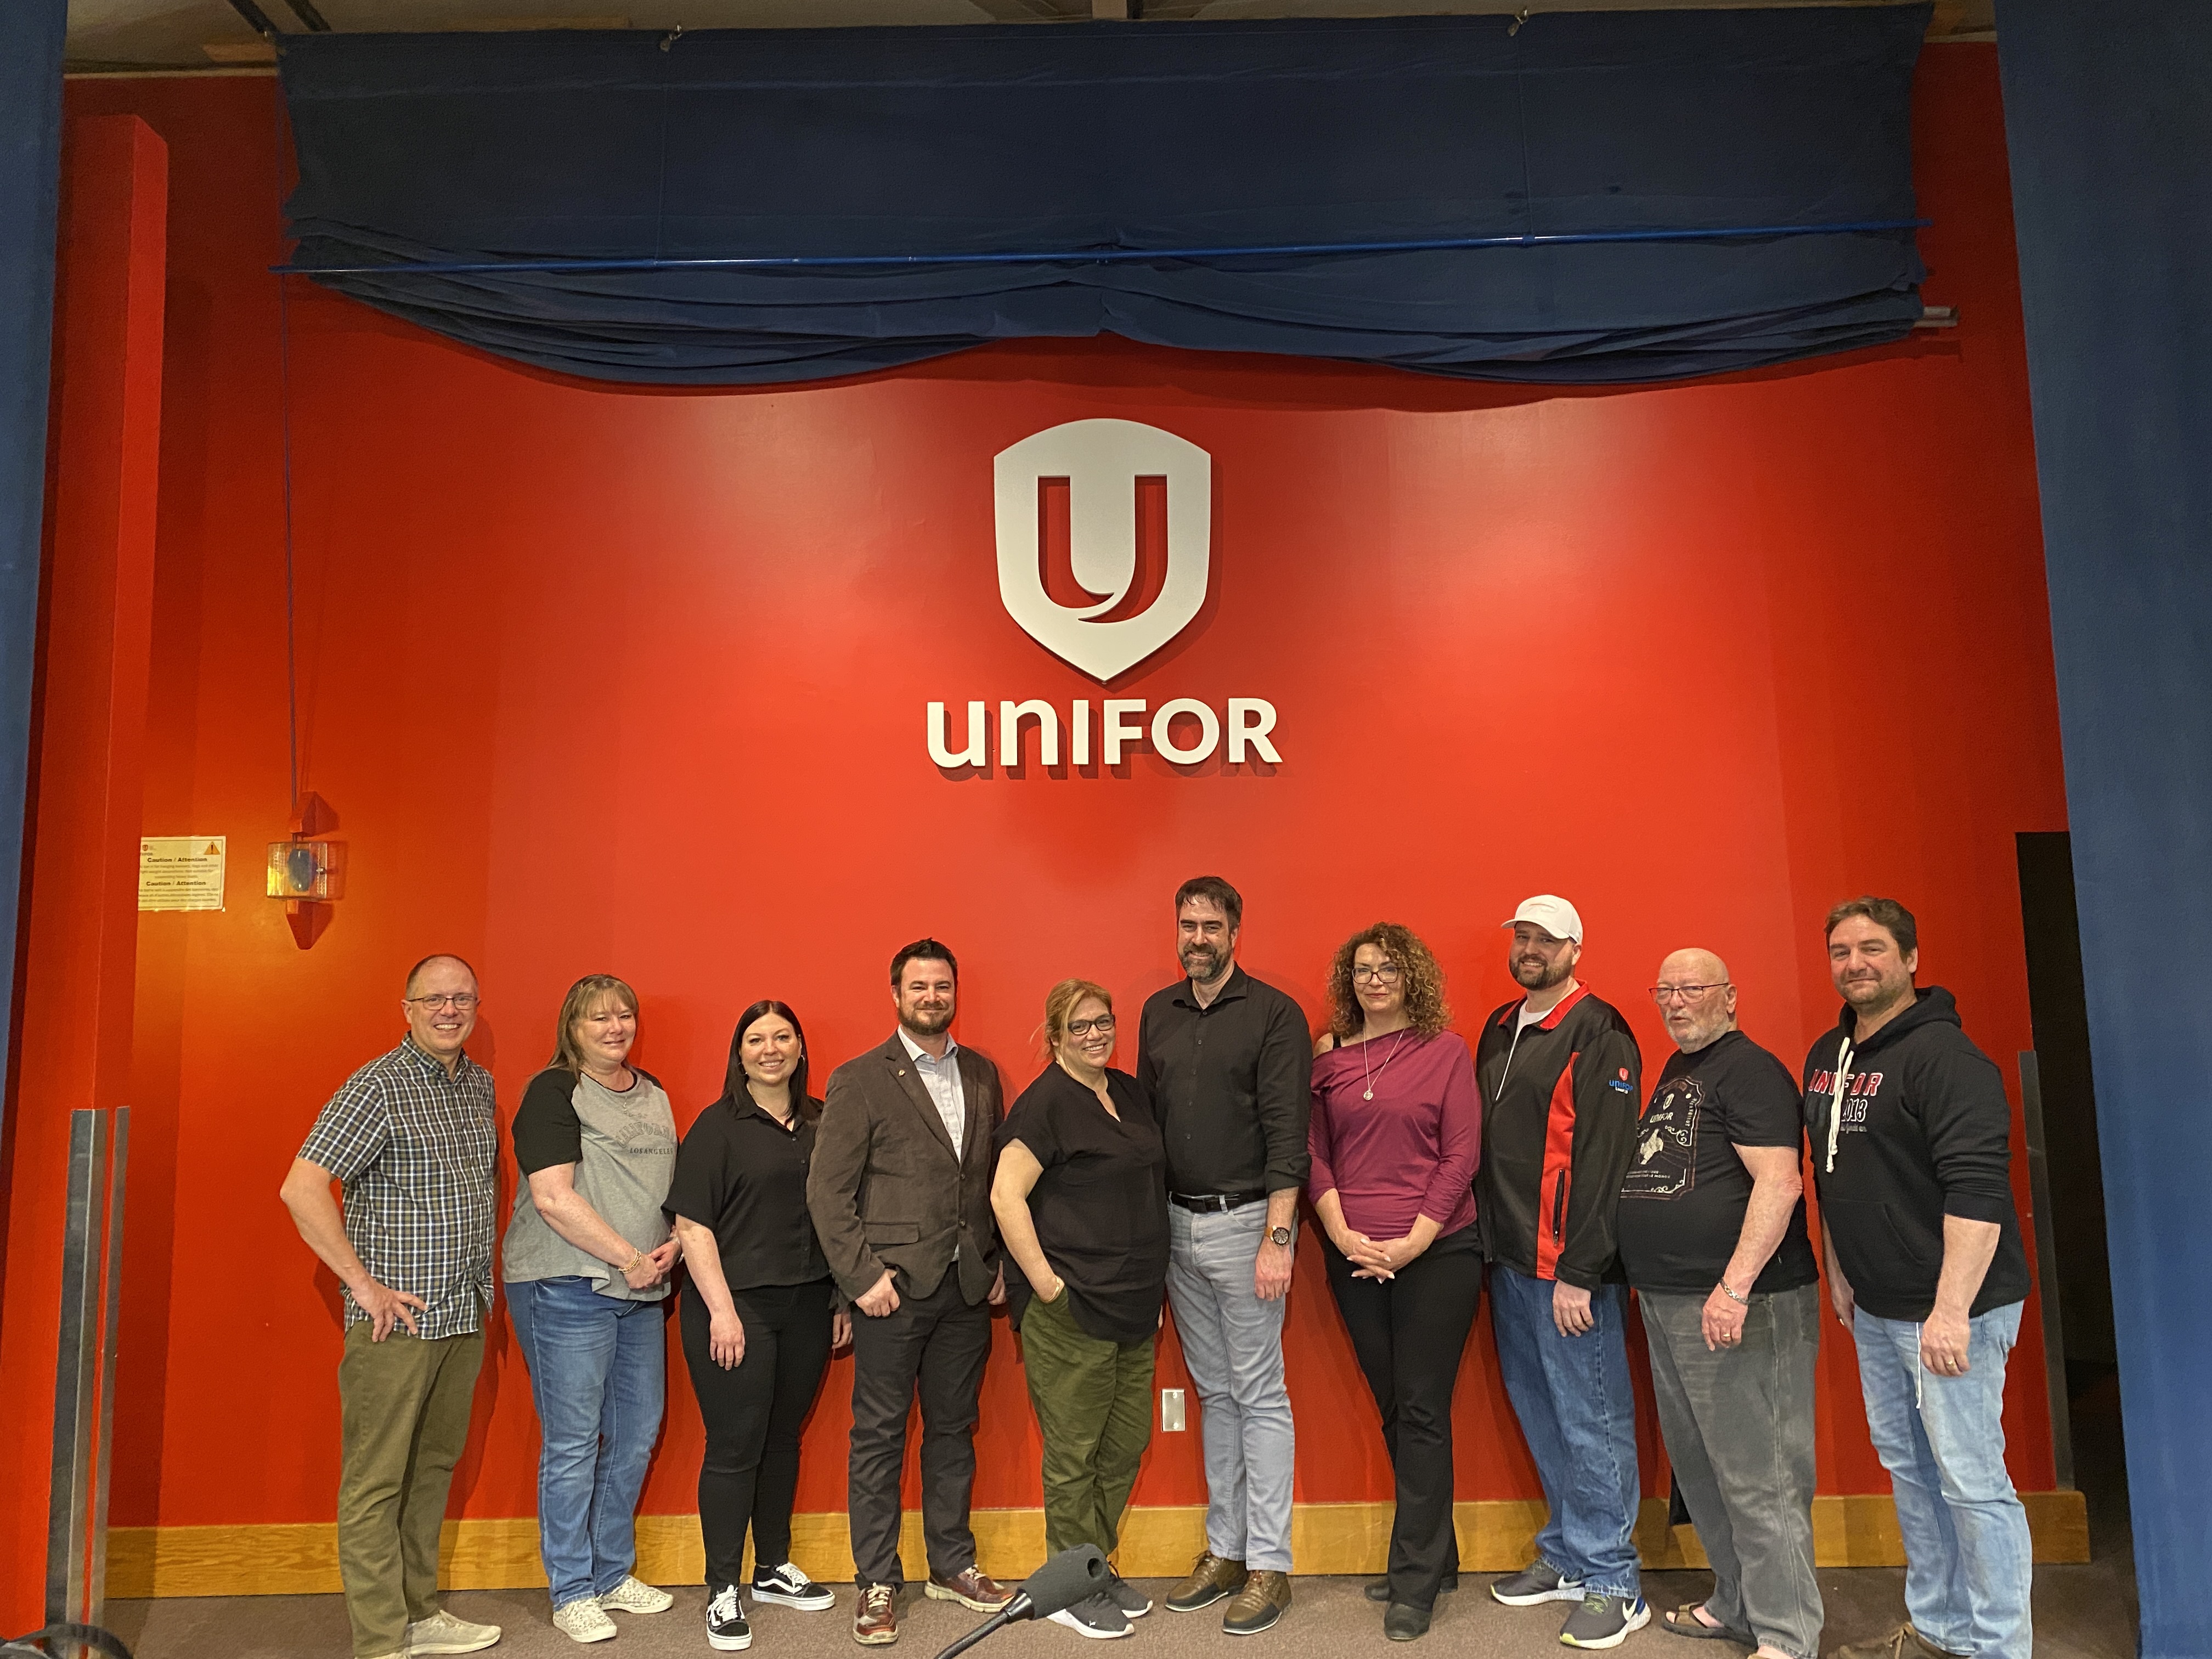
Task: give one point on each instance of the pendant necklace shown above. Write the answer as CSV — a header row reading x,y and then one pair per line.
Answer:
x,y
1377,1076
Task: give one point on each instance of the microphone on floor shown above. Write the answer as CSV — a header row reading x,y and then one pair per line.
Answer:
x,y
1059,1585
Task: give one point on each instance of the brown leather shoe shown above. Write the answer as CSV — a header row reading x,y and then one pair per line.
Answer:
x,y
875,1620
1265,1598
1212,1578
972,1588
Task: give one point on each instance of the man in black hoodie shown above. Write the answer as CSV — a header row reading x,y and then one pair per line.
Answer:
x,y
1911,1149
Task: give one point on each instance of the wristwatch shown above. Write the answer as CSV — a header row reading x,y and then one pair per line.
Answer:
x,y
1279,1236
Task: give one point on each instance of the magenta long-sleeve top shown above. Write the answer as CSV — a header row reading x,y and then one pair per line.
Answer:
x,y
1410,1152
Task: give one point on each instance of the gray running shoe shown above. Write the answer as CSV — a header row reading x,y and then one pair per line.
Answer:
x,y
1539,1582
1133,1602
1604,1621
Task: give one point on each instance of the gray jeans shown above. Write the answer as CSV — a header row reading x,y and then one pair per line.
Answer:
x,y
1738,1429
1233,1344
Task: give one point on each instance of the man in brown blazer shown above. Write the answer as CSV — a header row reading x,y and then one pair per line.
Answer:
x,y
899,1189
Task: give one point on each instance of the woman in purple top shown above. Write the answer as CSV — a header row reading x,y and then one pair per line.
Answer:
x,y
1396,1134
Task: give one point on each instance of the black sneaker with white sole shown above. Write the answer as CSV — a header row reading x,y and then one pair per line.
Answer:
x,y
787,1587
726,1630
1133,1602
1094,1616
1531,1585
1604,1621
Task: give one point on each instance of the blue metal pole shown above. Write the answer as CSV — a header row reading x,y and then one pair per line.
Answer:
x,y
31,32
1104,256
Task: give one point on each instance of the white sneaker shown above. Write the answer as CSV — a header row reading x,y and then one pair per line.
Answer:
x,y
443,1633
633,1595
583,1621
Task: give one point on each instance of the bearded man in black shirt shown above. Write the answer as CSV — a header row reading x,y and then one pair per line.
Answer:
x,y
1227,1063
1711,1231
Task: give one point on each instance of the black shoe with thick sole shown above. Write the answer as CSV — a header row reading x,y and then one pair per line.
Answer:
x,y
1379,1589
1405,1622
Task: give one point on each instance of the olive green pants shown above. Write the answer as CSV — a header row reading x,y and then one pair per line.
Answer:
x,y
1094,1409
405,1419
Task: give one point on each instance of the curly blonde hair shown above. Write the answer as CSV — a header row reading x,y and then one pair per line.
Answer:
x,y
1424,981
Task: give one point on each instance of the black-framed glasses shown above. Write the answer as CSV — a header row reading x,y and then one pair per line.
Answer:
x,y
1382,973
1083,1028
1663,994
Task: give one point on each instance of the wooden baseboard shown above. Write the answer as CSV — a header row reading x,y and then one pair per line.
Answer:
x,y
1495,1536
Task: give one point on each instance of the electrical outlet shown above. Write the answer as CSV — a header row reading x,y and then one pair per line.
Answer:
x,y
1171,1418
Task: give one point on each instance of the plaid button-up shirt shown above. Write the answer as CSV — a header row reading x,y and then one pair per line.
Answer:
x,y
417,1151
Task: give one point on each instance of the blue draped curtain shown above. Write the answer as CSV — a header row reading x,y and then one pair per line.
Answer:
x,y
1592,197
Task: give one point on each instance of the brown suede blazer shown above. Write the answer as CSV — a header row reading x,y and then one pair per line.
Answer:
x,y
886,1188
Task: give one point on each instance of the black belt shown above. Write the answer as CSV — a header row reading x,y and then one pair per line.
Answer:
x,y
1215,1203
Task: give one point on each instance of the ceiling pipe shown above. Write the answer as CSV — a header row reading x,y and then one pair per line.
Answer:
x,y
256,19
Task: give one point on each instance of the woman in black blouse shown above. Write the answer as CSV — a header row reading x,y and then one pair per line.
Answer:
x,y
759,1314
1082,1204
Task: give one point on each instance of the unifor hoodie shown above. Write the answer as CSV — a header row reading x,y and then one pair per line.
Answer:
x,y
1906,1128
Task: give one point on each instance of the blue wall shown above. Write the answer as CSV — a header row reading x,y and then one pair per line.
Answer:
x,y
30,176
2108,113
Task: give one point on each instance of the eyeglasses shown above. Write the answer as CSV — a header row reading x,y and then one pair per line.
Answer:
x,y
1663,994
459,1001
1083,1028
1382,974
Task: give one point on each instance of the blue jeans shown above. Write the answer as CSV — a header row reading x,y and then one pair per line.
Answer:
x,y
597,1377
1571,1395
1232,1343
1968,1557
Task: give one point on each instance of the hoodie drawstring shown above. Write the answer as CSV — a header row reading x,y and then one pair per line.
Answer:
x,y
1835,1101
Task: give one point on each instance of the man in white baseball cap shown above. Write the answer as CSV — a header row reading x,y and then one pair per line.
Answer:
x,y
1561,1080
1553,914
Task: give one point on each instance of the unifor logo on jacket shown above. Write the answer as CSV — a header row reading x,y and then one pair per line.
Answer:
x,y
1907,1127
1559,1102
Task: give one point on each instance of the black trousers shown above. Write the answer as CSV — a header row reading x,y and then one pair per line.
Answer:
x,y
753,1413
1409,1333
934,1346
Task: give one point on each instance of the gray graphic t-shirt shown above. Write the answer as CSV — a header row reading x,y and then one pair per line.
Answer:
x,y
623,1146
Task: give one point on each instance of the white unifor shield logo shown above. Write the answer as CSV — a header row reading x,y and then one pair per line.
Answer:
x,y
1101,461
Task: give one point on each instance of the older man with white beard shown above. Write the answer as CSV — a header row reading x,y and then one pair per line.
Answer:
x,y
1711,1230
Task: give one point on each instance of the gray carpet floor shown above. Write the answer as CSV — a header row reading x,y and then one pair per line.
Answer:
x,y
2085,1611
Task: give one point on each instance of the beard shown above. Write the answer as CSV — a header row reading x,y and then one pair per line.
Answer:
x,y
1202,962
1534,973
926,1021
1876,993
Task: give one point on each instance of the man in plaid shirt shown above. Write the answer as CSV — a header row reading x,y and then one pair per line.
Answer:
x,y
412,1138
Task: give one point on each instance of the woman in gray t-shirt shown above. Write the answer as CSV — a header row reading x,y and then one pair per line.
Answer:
x,y
587,1259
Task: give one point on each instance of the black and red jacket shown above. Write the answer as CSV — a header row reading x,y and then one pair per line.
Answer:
x,y
1559,1102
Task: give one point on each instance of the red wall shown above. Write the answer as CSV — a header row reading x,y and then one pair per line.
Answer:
x,y
80,917
603,679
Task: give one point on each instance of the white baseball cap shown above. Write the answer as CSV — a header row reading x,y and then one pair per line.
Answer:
x,y
1551,913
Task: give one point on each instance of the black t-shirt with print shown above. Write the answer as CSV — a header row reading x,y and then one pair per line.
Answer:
x,y
1684,1196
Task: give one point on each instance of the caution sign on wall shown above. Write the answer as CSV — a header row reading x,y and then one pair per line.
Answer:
x,y
180,872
